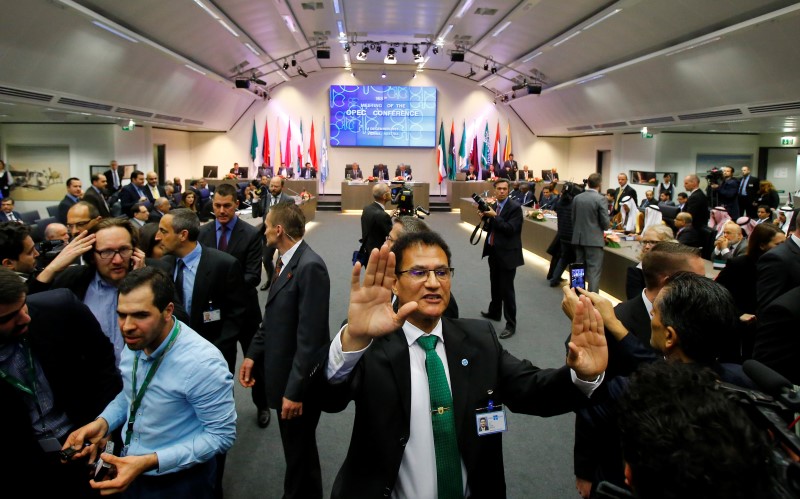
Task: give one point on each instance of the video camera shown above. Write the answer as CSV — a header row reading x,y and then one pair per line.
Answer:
x,y
403,197
48,251
714,176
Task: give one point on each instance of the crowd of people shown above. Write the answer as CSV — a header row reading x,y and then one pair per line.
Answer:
x,y
166,279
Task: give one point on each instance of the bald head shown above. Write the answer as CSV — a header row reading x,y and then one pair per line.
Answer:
x,y
56,232
379,193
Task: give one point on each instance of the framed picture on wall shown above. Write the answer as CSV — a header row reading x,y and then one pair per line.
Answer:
x,y
39,172
650,178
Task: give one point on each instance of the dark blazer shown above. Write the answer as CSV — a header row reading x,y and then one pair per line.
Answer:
x,y
397,171
690,237
375,226
778,340
110,180
740,277
129,197
288,173
354,174
752,186
294,334
4,218
589,218
92,197
155,216
634,282
376,171
771,199
380,385
778,272
219,281
244,244
312,173
267,198
633,315
78,362
63,208
507,230
697,207
161,192
626,191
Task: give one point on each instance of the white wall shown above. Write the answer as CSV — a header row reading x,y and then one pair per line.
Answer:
x,y
783,161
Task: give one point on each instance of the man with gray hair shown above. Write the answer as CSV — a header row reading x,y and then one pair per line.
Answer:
x,y
375,222
161,207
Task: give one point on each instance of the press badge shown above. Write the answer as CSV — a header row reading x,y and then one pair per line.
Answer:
x,y
490,419
212,315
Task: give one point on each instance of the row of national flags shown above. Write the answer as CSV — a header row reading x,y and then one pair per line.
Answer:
x,y
450,161
297,153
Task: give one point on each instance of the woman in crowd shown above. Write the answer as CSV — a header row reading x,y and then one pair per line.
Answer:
x,y
147,241
768,195
189,200
634,279
740,276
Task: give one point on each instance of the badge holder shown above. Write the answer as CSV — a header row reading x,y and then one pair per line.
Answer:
x,y
491,419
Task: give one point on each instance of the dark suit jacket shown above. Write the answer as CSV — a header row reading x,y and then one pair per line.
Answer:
x,y
690,237
778,340
4,218
129,197
312,173
397,172
78,362
375,226
697,206
778,272
751,189
92,197
244,244
380,385
740,277
219,281
289,173
633,315
294,334
354,174
155,216
634,282
63,208
110,180
266,199
626,191
376,171
161,192
507,230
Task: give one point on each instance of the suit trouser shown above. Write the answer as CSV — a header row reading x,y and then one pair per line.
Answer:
x,y
746,207
303,477
503,294
195,482
592,256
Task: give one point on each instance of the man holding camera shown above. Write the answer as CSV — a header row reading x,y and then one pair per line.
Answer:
x,y
503,246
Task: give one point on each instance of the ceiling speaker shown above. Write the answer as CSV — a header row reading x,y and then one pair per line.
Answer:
x,y
324,53
242,83
456,56
534,89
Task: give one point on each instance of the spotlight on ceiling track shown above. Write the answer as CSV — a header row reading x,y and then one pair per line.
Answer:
x,y
486,65
383,75
372,46
294,62
435,50
347,47
494,69
301,72
378,48
390,57
362,56
285,65
471,72
415,50
405,48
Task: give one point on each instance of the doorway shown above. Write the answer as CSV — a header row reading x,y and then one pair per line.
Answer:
x,y
160,161
603,167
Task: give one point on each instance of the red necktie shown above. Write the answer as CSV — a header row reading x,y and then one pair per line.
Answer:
x,y
223,238
491,236
277,272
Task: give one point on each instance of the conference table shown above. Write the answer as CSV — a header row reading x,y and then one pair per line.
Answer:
x,y
457,189
293,186
537,237
356,194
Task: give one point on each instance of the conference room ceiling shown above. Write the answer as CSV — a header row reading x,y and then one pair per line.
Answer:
x,y
604,66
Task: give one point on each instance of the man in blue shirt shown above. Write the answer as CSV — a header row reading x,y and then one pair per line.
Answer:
x,y
184,413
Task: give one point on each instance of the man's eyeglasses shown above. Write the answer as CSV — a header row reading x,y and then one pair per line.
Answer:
x,y
78,225
442,273
646,242
109,253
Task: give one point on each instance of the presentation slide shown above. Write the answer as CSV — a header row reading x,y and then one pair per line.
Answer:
x,y
383,116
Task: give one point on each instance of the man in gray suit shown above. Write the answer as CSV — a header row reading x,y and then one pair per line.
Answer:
x,y
589,220
268,200
293,334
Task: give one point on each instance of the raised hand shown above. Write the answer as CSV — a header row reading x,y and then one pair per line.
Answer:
x,y
82,243
588,350
370,314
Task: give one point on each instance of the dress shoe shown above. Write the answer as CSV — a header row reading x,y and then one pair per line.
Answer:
x,y
263,417
487,315
265,286
507,333
557,283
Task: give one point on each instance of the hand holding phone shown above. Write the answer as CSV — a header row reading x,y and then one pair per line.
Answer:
x,y
577,275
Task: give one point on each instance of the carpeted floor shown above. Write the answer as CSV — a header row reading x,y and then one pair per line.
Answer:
x,y
537,451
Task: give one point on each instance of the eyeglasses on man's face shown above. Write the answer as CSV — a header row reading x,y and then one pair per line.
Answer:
x,y
108,254
417,274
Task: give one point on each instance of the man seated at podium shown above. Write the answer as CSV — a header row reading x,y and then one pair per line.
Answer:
x,y
489,173
471,173
286,171
525,174
403,171
265,171
380,172
308,171
355,172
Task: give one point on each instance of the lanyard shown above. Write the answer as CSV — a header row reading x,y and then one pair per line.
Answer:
x,y
20,385
137,397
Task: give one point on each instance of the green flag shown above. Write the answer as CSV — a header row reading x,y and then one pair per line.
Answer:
x,y
254,142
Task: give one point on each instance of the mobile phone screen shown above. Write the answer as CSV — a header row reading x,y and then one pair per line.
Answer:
x,y
577,277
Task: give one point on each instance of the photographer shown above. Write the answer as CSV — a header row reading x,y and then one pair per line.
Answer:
x,y
503,246
727,191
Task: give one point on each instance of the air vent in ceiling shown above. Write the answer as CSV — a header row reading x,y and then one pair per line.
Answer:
x,y
771,108
82,103
192,122
611,125
650,121
24,94
580,128
134,112
322,34
465,39
482,11
168,118
710,114
312,5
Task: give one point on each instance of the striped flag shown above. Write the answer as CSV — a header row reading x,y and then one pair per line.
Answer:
x,y
300,150
324,156
288,157
441,154
452,167
485,150
474,154
496,150
277,165
507,150
253,151
265,146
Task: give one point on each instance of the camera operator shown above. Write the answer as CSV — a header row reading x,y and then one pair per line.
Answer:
x,y
503,246
56,237
727,191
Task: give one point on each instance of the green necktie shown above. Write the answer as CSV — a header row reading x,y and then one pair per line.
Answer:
x,y
448,460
